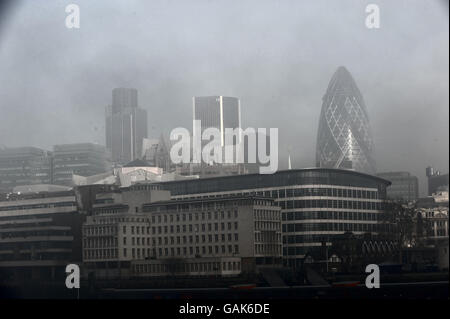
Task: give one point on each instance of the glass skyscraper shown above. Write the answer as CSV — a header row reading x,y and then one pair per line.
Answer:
x,y
344,138
219,112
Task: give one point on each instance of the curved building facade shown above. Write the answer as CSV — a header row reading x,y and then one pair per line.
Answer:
x,y
316,203
344,138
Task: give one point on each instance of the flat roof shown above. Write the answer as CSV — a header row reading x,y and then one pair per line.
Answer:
x,y
287,171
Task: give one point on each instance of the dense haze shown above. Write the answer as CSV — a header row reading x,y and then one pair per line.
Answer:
x,y
276,56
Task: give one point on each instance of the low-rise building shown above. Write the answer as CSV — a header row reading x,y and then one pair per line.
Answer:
x,y
24,166
82,159
39,235
140,231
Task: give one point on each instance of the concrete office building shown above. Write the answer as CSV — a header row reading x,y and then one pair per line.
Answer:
x,y
315,203
83,159
24,166
107,248
404,186
134,233
126,126
39,235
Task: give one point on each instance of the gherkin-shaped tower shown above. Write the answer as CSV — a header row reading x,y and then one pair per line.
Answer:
x,y
344,138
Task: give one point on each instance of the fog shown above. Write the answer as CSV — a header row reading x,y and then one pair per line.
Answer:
x,y
276,56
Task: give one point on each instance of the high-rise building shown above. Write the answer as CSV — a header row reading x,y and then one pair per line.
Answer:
x,y
84,159
404,186
126,126
344,138
219,112
24,166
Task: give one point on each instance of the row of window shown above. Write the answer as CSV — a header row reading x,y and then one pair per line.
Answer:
x,y
100,230
305,227
267,249
147,230
188,267
329,215
274,226
100,242
100,253
38,206
331,203
266,214
329,192
181,251
190,239
270,237
165,218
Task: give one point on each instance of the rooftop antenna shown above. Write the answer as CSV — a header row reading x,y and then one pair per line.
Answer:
x,y
289,158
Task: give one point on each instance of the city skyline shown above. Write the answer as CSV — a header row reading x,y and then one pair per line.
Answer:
x,y
279,85
215,150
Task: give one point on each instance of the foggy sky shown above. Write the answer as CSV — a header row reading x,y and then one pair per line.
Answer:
x,y
276,56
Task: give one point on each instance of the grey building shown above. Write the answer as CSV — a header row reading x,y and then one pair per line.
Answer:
x,y
404,186
436,180
40,234
344,138
156,153
84,159
220,112
24,166
216,236
316,204
126,126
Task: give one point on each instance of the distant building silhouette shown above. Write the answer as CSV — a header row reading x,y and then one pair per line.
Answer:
x,y
344,138
404,186
126,126
84,159
24,166
436,180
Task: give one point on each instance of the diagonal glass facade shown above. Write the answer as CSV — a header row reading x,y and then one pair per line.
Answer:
x,y
344,138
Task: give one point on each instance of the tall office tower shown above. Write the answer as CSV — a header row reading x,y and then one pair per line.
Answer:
x,y
24,166
404,185
126,126
220,112
344,138
84,159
